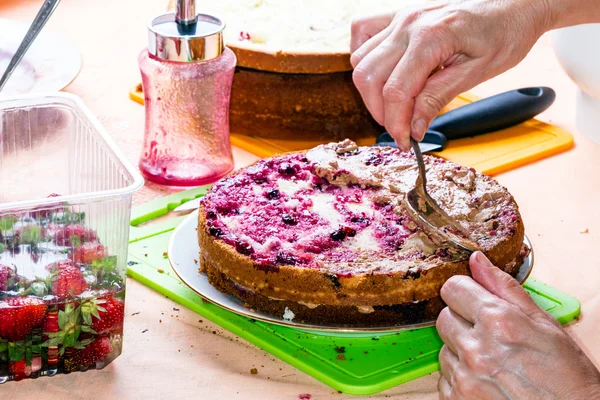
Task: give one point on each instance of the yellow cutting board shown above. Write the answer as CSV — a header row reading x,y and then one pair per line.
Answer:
x,y
491,153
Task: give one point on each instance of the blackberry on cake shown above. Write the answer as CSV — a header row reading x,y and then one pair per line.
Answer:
x,y
325,234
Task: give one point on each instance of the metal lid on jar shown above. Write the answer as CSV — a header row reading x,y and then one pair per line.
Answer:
x,y
185,36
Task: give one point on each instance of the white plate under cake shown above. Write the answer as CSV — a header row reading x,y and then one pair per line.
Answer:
x,y
324,237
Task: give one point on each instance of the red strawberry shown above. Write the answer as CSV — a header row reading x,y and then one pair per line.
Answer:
x,y
50,323
108,316
90,354
74,235
88,252
67,279
19,315
19,369
8,278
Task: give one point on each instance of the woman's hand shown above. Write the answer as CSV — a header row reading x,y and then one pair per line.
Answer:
x,y
500,345
394,54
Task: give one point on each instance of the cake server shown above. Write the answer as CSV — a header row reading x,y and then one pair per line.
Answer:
x,y
188,206
483,116
423,209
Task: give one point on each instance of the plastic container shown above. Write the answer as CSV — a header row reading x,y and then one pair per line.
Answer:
x,y
65,204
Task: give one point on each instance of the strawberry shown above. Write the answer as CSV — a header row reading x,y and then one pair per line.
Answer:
x,y
90,354
50,326
74,235
88,252
19,369
8,278
67,279
19,315
103,314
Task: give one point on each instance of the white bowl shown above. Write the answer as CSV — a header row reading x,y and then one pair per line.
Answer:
x,y
577,51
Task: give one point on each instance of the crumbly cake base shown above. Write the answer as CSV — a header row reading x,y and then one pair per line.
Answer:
x,y
395,314
299,106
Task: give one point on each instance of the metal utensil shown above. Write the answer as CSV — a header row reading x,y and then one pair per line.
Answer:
x,y
38,23
424,209
188,206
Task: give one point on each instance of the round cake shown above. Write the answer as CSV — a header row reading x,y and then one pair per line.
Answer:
x,y
323,236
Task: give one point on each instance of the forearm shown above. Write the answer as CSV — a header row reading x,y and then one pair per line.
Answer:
x,y
563,13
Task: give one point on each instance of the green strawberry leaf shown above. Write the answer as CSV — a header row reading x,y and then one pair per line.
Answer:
x,y
16,351
31,234
7,222
54,341
85,328
75,241
39,288
86,342
62,319
28,355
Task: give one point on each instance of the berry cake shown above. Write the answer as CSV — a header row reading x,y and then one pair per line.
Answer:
x,y
323,236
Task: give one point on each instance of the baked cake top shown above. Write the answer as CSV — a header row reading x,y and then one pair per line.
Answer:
x,y
307,26
340,208
308,36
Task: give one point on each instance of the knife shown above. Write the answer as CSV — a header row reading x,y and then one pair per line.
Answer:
x,y
483,116
188,206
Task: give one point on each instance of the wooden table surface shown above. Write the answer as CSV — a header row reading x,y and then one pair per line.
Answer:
x,y
181,356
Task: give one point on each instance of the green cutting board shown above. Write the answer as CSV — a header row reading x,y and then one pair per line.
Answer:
x,y
351,363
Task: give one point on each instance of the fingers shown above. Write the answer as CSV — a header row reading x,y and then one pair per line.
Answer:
x,y
448,363
503,285
467,298
439,90
359,54
454,330
444,388
404,84
372,73
363,29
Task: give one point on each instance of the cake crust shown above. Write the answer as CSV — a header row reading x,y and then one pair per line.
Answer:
x,y
269,286
290,63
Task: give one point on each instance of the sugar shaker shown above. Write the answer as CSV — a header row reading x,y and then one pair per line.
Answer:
x,y
187,74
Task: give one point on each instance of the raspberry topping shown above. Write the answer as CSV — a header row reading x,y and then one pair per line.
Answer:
x,y
342,210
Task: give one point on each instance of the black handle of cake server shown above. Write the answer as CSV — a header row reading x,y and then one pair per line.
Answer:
x,y
494,113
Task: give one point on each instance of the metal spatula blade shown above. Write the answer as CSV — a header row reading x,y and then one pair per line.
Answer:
x,y
423,209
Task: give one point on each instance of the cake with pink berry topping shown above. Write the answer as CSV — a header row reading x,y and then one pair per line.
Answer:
x,y
323,236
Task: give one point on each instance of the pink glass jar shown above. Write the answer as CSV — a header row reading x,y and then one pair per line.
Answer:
x,y
186,93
